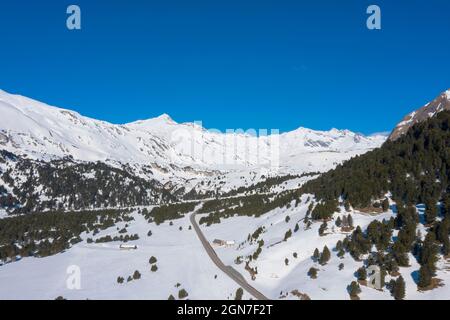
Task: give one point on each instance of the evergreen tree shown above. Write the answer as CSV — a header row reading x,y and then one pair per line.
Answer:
x,y
429,253
136,275
442,234
347,206
424,277
399,289
325,256
338,222
316,254
354,290
339,245
350,221
182,294
288,234
239,294
400,254
312,273
362,273
430,211
322,228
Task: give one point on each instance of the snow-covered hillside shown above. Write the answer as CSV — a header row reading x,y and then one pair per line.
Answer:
x,y
181,264
431,109
279,280
134,185
177,154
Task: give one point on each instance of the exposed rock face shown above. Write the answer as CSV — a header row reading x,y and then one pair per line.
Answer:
x,y
441,103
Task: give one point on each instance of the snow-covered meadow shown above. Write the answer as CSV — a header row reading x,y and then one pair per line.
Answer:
x,y
181,260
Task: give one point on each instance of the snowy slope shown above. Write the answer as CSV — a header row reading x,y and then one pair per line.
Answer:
x,y
181,260
275,277
182,154
431,109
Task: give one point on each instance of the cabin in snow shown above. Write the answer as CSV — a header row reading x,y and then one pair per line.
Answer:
x,y
223,243
127,247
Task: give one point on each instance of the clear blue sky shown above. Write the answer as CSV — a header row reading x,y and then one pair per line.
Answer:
x,y
230,63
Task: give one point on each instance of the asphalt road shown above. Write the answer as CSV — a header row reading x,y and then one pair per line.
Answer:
x,y
228,270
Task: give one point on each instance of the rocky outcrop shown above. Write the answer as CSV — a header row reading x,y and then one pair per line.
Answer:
x,y
441,103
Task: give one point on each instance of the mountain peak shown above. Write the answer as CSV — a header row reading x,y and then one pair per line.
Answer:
x,y
165,117
431,109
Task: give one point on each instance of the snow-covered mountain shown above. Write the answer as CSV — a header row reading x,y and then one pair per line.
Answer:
x,y
441,103
267,227
173,153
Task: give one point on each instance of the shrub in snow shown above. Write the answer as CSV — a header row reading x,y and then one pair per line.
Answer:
x,y
312,273
182,294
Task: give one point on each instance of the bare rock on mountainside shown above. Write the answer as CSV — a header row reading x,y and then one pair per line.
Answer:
x,y
441,103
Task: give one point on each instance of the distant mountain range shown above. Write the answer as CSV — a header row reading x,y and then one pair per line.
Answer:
x,y
177,155
295,231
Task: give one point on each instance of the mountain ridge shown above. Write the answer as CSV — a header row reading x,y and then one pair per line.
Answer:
x,y
34,128
439,104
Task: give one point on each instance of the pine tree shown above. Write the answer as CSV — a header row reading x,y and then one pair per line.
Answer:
x,y
312,273
446,203
339,245
430,211
350,221
338,222
287,235
362,273
239,294
400,254
399,289
316,254
347,205
322,228
152,260
354,289
429,253
325,256
424,277
136,275
442,232
182,294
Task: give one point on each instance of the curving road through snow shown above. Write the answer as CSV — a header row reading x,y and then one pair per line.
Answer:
x,y
228,270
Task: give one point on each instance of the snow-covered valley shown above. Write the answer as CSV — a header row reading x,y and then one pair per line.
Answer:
x,y
145,180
